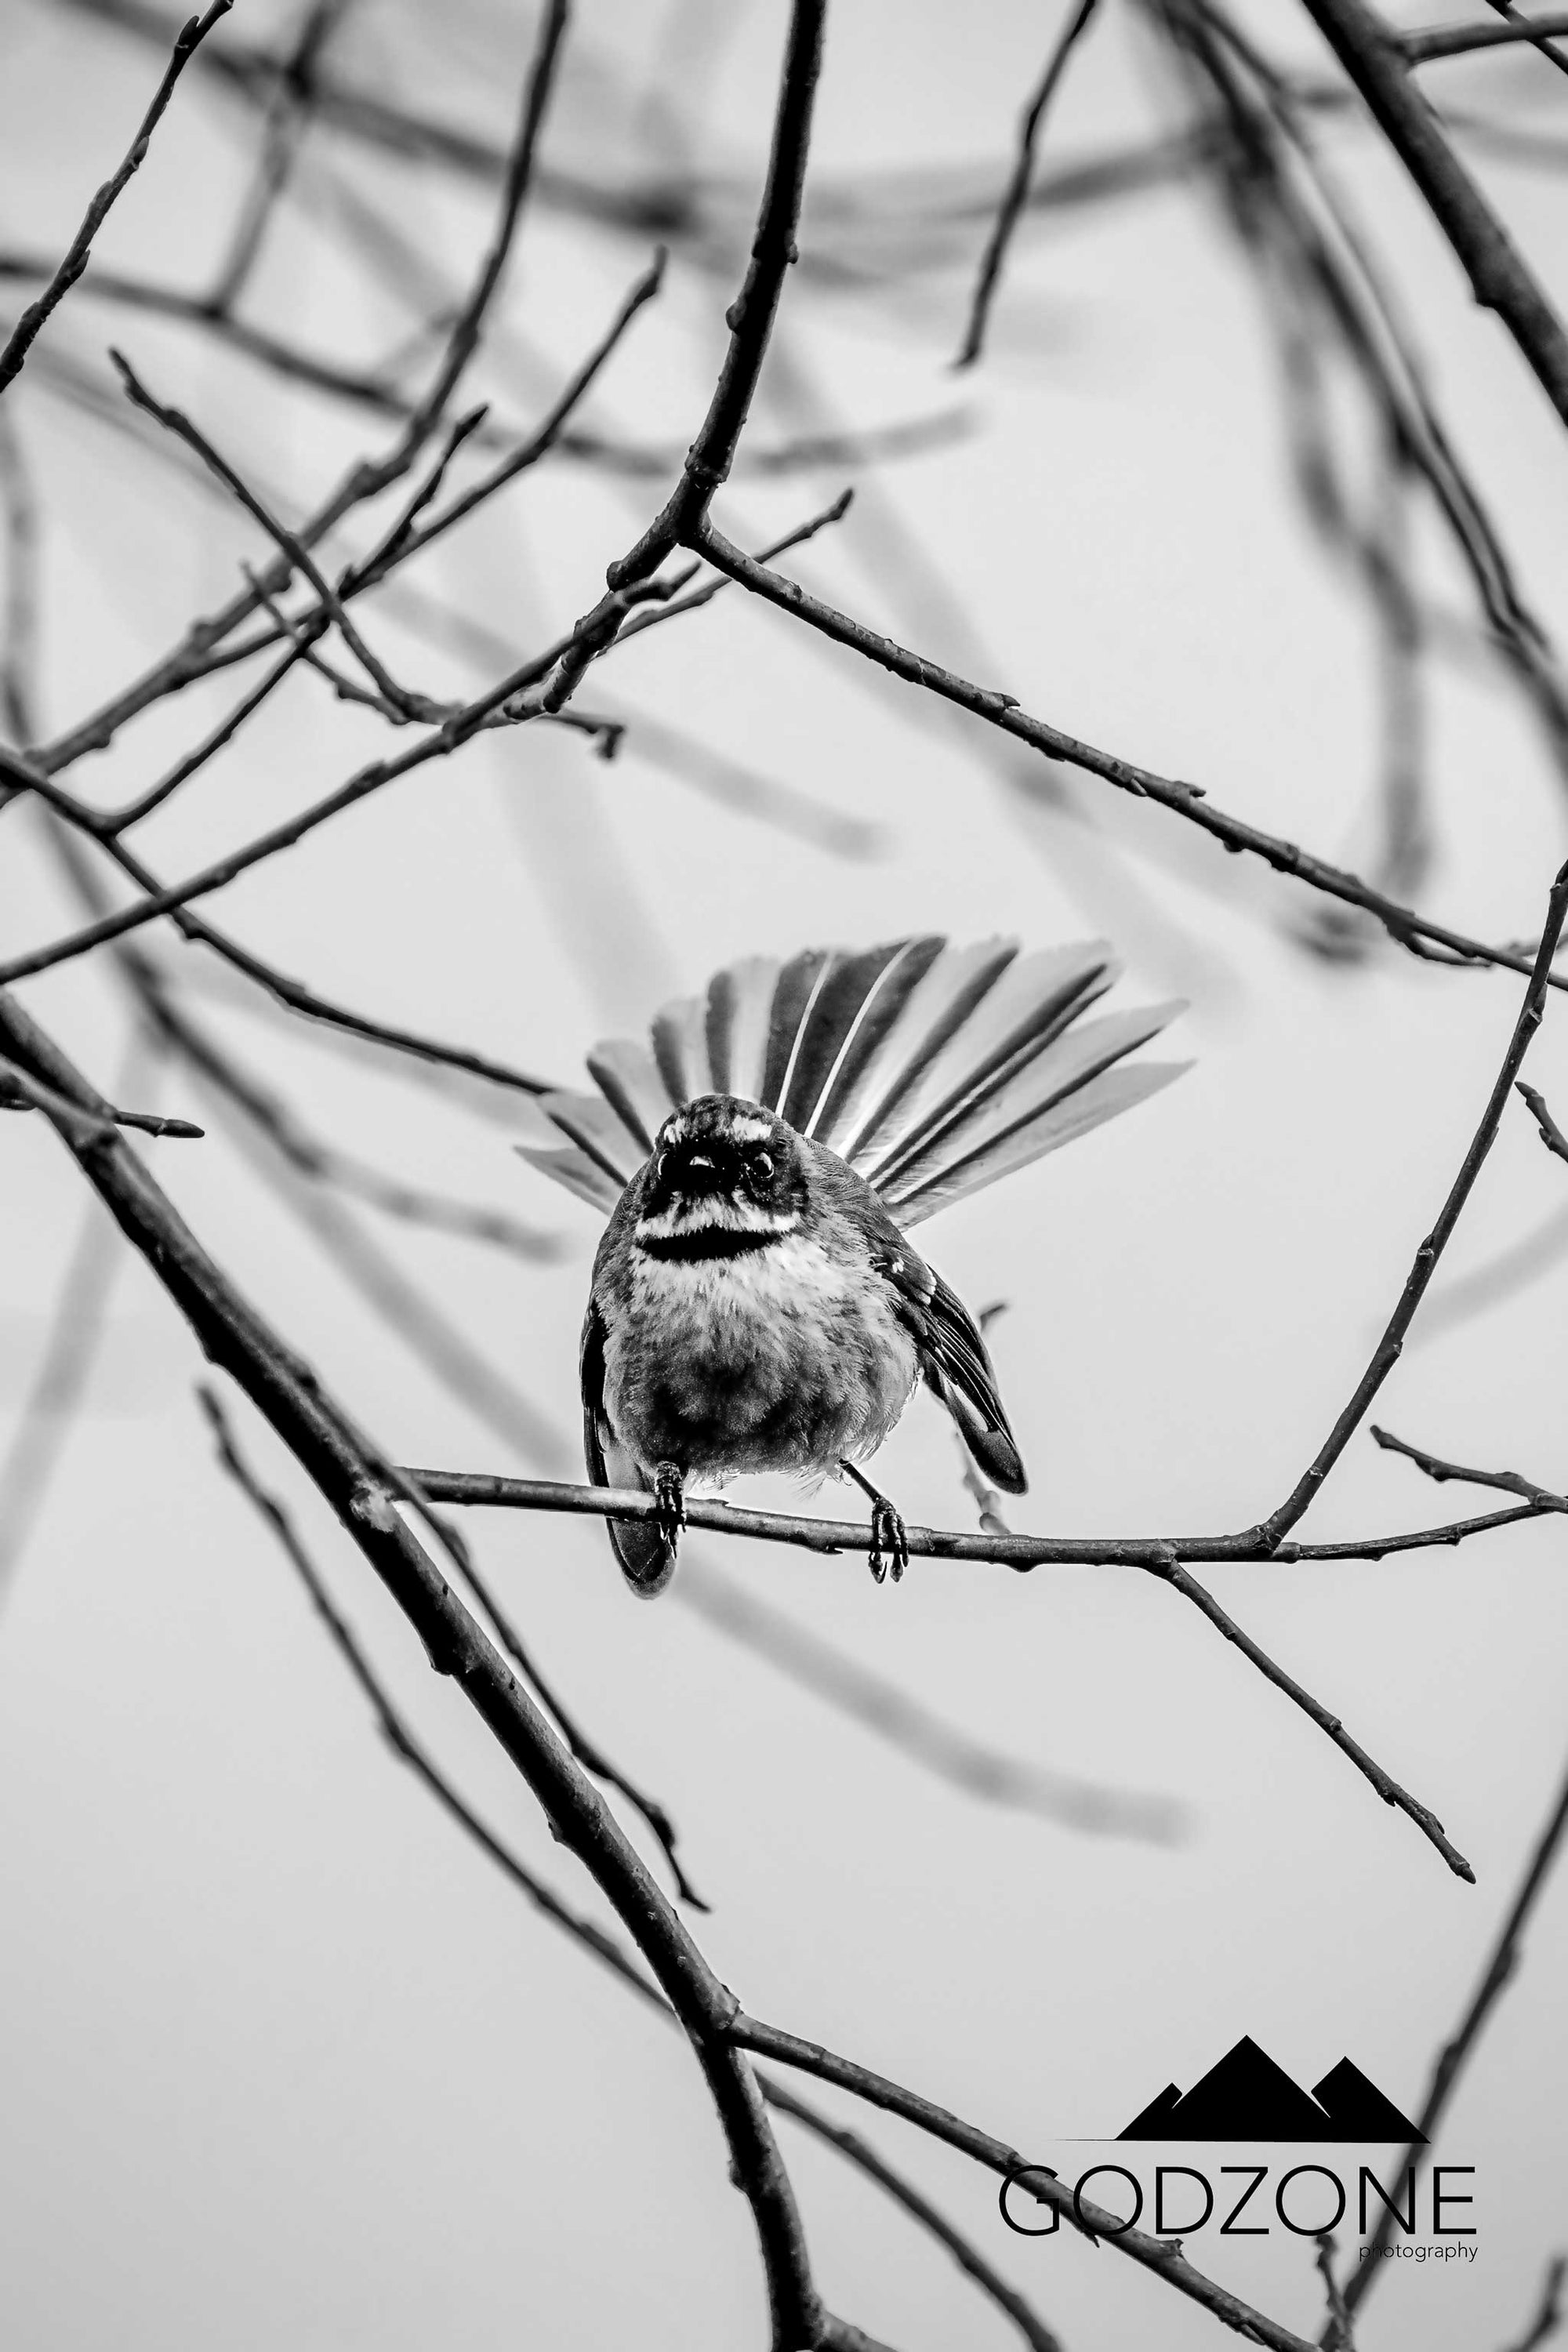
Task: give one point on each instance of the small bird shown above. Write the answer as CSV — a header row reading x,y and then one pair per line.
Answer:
x,y
755,1302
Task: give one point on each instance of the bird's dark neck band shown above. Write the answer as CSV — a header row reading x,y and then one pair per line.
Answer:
x,y
705,1242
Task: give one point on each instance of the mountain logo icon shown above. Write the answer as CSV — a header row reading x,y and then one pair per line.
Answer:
x,y
1247,2097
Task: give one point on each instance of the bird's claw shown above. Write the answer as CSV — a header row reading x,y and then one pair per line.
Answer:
x,y
887,1536
669,1505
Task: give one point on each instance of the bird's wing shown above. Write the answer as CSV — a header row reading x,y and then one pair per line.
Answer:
x,y
647,1561
954,1362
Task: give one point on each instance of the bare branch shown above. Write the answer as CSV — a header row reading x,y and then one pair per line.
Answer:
x,y
1161,1556
1161,2255
412,1752
964,2250
1015,193
1510,1481
1387,1352
1529,32
1441,41
1001,711
1501,1965
1548,2317
750,319
1552,1135
23,335
1337,2336
349,1471
1500,277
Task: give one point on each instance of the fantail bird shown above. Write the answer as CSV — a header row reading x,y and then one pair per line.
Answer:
x,y
755,1305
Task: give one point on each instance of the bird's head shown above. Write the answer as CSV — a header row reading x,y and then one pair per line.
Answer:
x,y
726,1177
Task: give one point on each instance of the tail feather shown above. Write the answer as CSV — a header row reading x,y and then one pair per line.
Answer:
x,y
575,1170
794,997
839,1018
628,1078
943,999
593,1126
932,1070
1022,1015
1104,1098
681,1049
1025,1087
740,1013
897,971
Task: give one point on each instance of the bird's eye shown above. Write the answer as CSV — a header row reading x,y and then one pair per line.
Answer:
x,y
762,1167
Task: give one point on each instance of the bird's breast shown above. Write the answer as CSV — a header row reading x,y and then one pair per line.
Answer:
x,y
788,1356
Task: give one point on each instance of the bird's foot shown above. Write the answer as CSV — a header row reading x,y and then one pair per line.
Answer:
x,y
669,1503
889,1541
888,1535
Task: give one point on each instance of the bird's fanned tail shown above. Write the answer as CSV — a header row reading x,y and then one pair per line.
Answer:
x,y
931,1069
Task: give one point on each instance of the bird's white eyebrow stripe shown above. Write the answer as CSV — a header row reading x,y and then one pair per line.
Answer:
x,y
751,1130
713,1216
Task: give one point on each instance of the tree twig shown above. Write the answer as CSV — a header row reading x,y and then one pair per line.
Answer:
x,y
23,335
412,1752
1500,277
1015,193
1001,711
1387,1352
1165,1557
1501,1965
345,1469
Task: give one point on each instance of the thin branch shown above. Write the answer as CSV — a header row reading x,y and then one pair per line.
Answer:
x,y
586,1750
1188,801
403,540
1161,1556
281,1125
469,324
412,1751
1337,2336
1529,32
1548,2316
121,820
1552,1135
1163,2256
1501,1965
750,318
296,554
348,1472
194,656
283,130
1388,1350
1439,41
20,1090
1015,193
1441,1472
34,318
1500,277
1157,1554
964,2250
1387,1787
506,698
292,995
